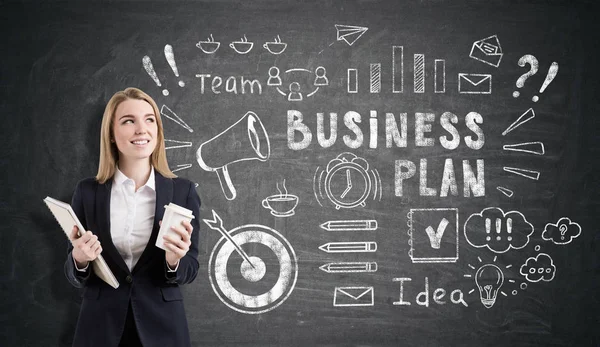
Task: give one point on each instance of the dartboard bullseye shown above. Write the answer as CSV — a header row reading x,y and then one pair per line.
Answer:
x,y
238,276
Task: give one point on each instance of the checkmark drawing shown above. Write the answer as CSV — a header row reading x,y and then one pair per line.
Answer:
x,y
435,237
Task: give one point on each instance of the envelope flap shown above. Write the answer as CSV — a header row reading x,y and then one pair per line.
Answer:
x,y
355,292
475,79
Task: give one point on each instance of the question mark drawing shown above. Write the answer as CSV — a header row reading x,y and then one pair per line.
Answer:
x,y
563,229
533,62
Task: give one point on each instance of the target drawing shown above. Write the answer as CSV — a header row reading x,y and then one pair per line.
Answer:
x,y
252,268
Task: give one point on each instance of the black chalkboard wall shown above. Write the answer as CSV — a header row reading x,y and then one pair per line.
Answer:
x,y
439,209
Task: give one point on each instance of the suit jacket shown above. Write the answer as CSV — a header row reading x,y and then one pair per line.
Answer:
x,y
155,296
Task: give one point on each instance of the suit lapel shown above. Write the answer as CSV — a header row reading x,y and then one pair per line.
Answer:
x,y
164,195
103,218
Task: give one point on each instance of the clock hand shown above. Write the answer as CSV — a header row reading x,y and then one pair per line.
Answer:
x,y
349,178
349,185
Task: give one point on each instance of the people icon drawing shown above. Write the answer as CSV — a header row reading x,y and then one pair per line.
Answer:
x,y
320,78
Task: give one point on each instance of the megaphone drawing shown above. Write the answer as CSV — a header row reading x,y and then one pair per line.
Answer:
x,y
246,139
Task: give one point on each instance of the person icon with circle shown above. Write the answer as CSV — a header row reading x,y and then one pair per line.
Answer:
x,y
295,94
321,79
274,79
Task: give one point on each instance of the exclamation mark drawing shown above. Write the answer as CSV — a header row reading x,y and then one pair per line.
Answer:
x,y
147,63
150,70
549,77
171,59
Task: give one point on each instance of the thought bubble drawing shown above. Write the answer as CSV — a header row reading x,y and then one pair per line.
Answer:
x,y
498,231
561,233
540,268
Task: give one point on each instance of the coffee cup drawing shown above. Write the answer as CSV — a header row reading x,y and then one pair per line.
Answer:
x,y
275,47
282,204
209,46
242,46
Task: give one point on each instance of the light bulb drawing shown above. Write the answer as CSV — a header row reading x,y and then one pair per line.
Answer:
x,y
489,278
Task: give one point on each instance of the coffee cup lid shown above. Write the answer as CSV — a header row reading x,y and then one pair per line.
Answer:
x,y
181,210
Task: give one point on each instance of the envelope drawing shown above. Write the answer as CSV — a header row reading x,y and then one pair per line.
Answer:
x,y
487,51
473,83
353,296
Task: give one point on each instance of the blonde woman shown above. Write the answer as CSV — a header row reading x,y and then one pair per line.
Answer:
x,y
121,209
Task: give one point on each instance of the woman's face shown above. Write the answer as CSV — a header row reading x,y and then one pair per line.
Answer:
x,y
135,130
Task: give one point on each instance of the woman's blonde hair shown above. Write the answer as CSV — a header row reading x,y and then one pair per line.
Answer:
x,y
109,153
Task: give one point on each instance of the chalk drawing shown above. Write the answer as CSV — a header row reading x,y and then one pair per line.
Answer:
x,y
352,81
375,78
349,267
349,247
171,144
168,113
210,46
552,71
419,73
349,33
487,51
523,118
426,228
243,46
170,56
255,146
282,204
538,268
562,232
439,76
531,174
294,92
253,267
533,69
353,296
474,83
526,147
489,280
498,231
275,47
182,167
397,69
147,64
350,225
509,193
348,181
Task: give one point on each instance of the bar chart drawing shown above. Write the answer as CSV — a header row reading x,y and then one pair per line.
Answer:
x,y
439,71
352,81
375,78
419,73
397,69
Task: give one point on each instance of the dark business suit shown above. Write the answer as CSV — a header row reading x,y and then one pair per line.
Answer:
x,y
156,299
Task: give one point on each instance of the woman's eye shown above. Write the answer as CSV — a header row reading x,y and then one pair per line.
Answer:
x,y
128,121
151,120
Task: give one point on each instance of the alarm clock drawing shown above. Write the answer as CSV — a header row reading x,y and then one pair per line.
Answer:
x,y
347,181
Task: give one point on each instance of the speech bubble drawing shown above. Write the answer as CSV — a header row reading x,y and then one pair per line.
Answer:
x,y
561,233
498,231
540,268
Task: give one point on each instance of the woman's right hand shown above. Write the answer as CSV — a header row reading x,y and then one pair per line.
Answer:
x,y
86,247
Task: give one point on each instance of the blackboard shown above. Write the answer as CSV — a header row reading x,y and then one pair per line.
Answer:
x,y
436,177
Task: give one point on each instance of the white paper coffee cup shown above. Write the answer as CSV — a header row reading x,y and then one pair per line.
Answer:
x,y
174,215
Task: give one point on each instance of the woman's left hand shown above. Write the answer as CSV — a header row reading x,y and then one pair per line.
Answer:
x,y
178,245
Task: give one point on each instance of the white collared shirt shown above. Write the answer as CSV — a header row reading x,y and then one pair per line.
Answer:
x,y
131,216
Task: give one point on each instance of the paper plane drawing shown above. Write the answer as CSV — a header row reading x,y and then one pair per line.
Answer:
x,y
349,33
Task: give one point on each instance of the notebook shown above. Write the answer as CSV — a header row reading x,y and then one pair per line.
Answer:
x,y
433,235
67,218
